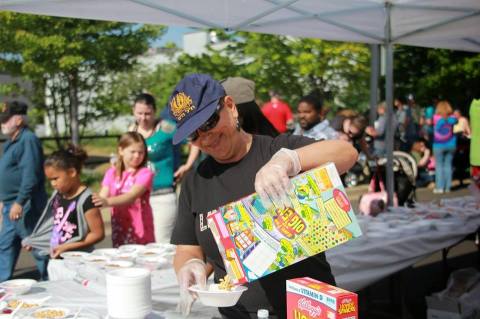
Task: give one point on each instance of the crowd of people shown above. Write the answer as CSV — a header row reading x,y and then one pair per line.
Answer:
x,y
222,123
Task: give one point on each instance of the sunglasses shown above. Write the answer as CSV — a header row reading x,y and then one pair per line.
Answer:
x,y
353,135
208,125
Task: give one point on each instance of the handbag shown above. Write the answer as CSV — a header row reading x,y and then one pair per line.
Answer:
x,y
374,202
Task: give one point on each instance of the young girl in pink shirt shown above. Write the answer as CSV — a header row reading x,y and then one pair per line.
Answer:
x,y
126,189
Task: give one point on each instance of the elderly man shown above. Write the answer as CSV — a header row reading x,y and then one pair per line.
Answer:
x,y
22,190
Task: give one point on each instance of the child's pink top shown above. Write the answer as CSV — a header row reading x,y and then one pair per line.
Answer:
x,y
132,223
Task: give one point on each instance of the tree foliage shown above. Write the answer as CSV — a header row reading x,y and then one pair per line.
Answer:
x,y
429,73
291,66
70,61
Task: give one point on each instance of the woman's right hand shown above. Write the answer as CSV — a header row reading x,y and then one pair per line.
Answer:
x,y
272,181
99,201
193,272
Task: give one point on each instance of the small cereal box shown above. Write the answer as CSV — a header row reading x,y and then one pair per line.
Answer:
x,y
308,298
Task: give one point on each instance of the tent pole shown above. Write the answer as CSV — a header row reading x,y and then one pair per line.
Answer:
x,y
389,100
374,71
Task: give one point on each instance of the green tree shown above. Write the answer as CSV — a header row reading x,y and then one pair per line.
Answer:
x,y
292,66
70,62
429,73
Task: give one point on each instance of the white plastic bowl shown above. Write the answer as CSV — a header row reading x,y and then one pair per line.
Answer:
x,y
153,262
18,286
109,252
215,297
74,255
132,248
164,247
151,252
126,256
96,260
115,264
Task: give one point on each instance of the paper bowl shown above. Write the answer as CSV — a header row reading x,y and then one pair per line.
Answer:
x,y
151,252
131,248
74,255
96,260
115,264
153,262
163,247
215,297
50,313
109,252
18,286
130,256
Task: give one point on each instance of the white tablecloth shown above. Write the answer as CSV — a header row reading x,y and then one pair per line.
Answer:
x,y
165,292
362,262
355,264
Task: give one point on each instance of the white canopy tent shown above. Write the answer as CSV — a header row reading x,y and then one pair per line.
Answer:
x,y
450,24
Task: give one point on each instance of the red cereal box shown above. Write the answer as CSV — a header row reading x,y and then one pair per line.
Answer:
x,y
308,298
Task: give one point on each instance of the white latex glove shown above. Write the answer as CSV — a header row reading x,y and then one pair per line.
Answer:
x,y
272,181
193,272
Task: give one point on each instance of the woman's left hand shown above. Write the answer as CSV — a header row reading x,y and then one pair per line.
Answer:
x,y
272,181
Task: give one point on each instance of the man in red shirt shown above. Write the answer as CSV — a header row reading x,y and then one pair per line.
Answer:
x,y
278,113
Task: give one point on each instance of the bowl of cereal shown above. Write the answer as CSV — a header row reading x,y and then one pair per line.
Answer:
x,y
96,260
18,286
26,303
223,294
153,262
115,264
74,255
50,313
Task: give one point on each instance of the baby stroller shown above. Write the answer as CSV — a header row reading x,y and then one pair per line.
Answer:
x,y
405,175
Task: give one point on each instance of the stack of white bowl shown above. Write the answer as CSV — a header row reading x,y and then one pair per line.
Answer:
x,y
129,293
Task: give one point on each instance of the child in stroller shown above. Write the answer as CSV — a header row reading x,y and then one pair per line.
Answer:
x,y
405,175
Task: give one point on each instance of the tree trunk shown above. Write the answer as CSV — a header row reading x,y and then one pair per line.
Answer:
x,y
74,124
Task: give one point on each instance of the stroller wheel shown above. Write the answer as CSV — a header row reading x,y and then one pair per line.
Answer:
x,y
350,180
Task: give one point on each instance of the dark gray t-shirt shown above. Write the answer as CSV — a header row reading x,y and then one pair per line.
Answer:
x,y
212,185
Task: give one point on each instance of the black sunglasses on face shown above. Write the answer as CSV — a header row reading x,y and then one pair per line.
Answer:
x,y
208,125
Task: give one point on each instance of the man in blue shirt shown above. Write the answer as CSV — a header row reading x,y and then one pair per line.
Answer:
x,y
22,189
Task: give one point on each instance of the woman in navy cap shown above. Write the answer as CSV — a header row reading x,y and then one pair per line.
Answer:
x,y
238,164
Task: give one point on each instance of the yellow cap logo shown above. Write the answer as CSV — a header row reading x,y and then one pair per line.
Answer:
x,y
181,104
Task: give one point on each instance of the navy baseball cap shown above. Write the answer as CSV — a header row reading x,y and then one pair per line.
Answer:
x,y
193,101
11,108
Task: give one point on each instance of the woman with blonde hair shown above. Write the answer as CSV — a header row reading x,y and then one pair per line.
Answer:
x,y
444,144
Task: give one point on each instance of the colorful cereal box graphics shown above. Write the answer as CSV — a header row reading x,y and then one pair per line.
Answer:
x,y
255,241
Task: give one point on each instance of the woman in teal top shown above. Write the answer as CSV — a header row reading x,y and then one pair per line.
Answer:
x,y
163,161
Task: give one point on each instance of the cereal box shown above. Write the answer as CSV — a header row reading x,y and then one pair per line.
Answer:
x,y
308,298
255,241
